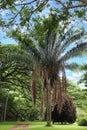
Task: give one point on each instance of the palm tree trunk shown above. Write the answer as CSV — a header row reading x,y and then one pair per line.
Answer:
x,y
48,104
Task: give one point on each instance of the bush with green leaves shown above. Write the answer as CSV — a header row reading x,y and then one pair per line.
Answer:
x,y
33,114
82,121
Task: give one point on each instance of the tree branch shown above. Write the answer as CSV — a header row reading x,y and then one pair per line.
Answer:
x,y
83,1
16,15
27,3
76,6
41,5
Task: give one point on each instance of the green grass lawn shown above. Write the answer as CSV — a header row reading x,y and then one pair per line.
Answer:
x,y
41,126
7,125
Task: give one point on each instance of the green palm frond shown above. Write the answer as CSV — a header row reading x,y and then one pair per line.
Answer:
x,y
75,51
72,66
57,50
72,38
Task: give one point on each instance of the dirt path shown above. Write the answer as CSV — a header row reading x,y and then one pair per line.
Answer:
x,y
25,127
21,127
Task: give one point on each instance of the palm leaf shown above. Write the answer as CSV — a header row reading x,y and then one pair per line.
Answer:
x,y
71,39
72,66
75,51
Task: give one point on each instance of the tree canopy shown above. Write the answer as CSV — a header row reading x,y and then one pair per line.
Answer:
x,y
21,12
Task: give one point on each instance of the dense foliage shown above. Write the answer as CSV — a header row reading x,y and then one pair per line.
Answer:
x,y
15,88
84,75
79,96
82,122
20,12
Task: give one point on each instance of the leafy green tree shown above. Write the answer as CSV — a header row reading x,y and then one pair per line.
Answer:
x,y
52,45
84,75
21,12
15,76
13,65
79,96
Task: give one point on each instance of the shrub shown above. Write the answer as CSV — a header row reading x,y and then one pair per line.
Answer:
x,y
82,122
33,115
68,112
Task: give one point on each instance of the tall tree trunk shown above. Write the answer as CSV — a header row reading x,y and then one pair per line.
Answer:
x,y
6,102
54,95
48,104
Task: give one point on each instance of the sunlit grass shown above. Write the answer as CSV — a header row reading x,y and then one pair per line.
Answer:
x,y
41,126
7,125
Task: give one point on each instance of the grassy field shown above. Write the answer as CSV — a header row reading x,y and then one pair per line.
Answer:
x,y
41,126
7,125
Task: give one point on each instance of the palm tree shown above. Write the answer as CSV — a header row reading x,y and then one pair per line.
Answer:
x,y
52,46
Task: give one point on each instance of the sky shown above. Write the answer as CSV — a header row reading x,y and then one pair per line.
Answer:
x,y
5,40
73,76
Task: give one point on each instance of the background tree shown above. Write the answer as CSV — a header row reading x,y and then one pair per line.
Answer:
x,y
84,75
15,82
79,96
